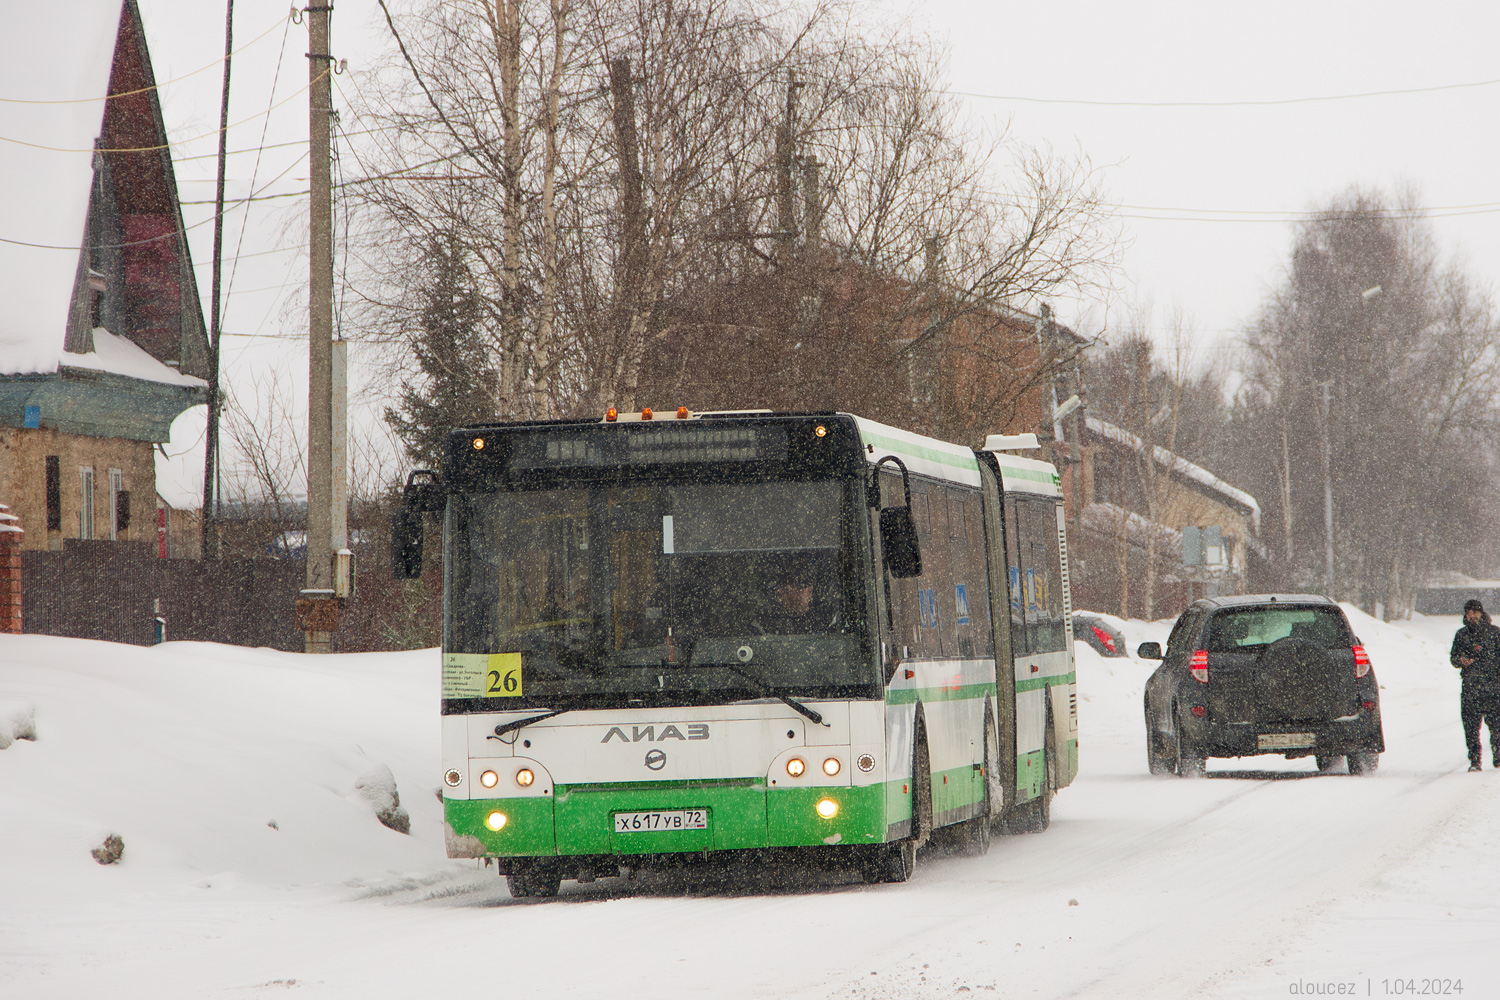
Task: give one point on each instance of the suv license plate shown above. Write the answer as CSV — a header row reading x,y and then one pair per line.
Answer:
x,y
1286,741
645,822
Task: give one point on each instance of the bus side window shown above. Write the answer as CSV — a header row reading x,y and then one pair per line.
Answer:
x,y
966,555
1044,614
977,584
939,638
1020,641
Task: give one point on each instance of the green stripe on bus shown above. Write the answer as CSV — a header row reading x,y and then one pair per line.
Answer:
x,y
1050,478
963,692
1036,683
966,462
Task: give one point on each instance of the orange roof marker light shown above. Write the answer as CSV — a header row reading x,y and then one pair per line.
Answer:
x,y
682,412
645,413
611,415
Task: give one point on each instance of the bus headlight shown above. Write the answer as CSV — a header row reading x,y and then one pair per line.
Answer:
x,y
795,767
495,820
489,779
831,766
452,777
827,808
524,777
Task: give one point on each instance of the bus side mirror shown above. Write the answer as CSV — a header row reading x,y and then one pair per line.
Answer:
x,y
898,532
898,537
1149,651
406,527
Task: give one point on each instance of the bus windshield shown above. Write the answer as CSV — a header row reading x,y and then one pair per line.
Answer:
x,y
659,593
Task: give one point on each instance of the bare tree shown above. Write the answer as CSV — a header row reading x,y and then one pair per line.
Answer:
x,y
1407,351
674,137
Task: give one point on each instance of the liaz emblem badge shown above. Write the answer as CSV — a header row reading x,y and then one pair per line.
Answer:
x,y
656,760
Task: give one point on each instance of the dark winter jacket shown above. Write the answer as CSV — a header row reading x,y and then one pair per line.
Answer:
x,y
1479,642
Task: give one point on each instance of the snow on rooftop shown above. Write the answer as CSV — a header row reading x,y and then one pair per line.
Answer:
x,y
53,106
119,356
1178,465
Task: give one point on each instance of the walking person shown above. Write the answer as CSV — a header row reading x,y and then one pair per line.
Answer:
x,y
1476,653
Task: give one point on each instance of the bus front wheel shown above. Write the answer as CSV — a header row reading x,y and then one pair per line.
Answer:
x,y
895,862
533,879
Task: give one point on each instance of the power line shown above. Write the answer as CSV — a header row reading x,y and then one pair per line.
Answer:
x,y
1221,104
157,86
152,239
167,145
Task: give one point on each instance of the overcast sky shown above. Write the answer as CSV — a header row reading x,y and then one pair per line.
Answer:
x,y
1206,192
1207,196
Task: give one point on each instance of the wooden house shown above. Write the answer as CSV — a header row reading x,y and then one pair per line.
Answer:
x,y
102,339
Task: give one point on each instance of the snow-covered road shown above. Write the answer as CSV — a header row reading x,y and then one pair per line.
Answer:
x,y
1264,879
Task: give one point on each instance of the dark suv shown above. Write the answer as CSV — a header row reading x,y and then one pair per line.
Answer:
x,y
1258,674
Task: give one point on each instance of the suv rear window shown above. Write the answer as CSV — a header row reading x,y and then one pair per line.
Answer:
x,y
1243,628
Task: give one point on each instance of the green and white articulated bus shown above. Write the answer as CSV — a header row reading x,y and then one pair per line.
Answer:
x,y
667,638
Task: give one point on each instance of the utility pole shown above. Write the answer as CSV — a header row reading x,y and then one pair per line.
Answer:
x,y
812,204
1327,486
628,275
318,607
786,142
208,546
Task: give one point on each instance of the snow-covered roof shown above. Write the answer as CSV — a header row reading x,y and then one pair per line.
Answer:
x,y
1179,466
1107,518
119,356
52,98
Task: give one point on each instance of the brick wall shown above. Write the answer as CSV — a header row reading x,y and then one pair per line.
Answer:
x,y
10,571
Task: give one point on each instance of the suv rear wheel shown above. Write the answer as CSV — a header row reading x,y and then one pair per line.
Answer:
x,y
1159,752
1363,762
1187,765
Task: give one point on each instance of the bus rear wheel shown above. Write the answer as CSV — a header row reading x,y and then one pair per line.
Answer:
x,y
1035,815
972,837
533,879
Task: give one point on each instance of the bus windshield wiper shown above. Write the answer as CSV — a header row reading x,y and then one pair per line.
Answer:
x,y
762,688
510,727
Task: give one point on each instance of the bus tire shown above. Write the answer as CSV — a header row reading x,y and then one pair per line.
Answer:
x,y
972,837
896,862
533,880
890,862
1035,815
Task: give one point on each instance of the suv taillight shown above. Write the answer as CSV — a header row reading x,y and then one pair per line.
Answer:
x,y
1361,661
1198,666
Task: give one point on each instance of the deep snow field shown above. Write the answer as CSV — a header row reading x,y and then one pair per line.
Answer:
x,y
253,867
